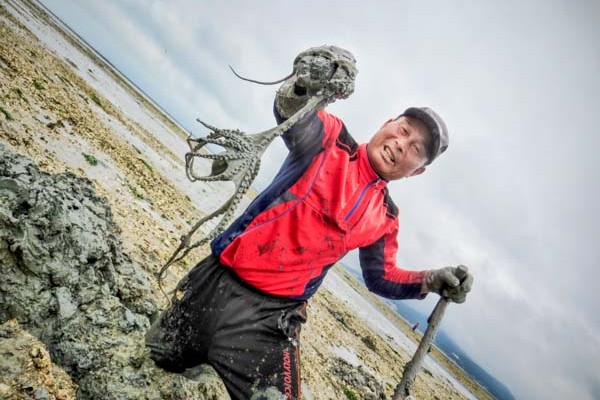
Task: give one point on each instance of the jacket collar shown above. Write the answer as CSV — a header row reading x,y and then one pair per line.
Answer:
x,y
364,165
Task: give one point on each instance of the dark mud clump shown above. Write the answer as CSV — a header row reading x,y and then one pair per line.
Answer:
x,y
65,281
27,370
358,381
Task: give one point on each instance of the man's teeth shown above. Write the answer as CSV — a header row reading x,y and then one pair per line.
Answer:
x,y
389,154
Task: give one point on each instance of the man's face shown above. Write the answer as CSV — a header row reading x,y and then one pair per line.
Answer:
x,y
399,149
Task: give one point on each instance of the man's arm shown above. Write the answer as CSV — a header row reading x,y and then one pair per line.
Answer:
x,y
327,71
382,275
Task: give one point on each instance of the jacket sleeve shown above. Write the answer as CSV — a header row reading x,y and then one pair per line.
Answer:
x,y
381,273
307,136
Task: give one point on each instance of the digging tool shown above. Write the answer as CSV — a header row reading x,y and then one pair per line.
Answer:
x,y
412,367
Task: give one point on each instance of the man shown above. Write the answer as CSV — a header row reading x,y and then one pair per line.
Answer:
x,y
241,308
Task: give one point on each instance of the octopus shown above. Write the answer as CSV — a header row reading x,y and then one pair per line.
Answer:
x,y
326,73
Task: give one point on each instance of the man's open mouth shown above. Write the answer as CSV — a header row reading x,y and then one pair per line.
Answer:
x,y
390,155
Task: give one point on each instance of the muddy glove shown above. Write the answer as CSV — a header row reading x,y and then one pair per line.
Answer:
x,y
452,283
324,70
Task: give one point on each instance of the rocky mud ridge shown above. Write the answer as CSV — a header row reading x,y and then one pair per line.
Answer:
x,y
67,282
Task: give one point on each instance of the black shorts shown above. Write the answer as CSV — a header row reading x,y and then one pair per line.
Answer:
x,y
250,338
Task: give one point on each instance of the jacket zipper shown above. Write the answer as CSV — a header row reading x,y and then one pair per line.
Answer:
x,y
298,201
362,194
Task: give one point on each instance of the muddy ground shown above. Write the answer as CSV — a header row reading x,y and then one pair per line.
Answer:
x,y
88,216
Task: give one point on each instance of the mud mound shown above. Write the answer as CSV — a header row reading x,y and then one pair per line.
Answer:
x,y
26,370
359,381
66,281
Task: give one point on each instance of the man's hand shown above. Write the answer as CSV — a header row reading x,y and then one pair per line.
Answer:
x,y
452,283
326,70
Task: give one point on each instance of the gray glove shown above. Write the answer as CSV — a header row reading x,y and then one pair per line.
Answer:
x,y
324,70
453,283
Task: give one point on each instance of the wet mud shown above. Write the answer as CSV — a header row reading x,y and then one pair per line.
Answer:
x,y
66,282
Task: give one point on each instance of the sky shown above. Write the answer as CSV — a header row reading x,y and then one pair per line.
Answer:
x,y
516,197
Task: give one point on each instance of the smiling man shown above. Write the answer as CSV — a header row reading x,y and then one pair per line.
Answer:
x,y
403,146
242,307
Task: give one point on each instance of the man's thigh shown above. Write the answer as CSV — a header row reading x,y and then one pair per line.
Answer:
x,y
258,368
251,339
180,337
255,348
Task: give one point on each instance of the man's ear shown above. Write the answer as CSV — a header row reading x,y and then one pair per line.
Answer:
x,y
418,171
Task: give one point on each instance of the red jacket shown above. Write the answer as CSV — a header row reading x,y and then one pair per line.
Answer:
x,y
325,201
